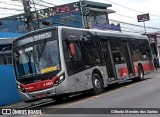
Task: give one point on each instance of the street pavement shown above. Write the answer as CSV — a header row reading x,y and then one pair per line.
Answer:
x,y
143,94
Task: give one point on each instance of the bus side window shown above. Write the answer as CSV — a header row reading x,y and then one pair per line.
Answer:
x,y
135,52
117,56
145,50
73,63
77,53
117,51
91,54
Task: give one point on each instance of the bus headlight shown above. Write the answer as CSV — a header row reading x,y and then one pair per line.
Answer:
x,y
60,80
18,87
21,88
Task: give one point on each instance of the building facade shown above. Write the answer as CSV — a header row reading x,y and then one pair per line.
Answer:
x,y
76,14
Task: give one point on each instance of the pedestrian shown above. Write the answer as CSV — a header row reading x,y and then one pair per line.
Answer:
x,y
156,62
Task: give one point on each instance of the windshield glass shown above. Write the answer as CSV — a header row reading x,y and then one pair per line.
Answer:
x,y
40,58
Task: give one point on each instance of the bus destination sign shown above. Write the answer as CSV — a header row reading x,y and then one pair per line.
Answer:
x,y
36,38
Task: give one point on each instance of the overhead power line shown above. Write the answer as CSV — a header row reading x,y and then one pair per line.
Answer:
x,y
125,16
134,24
11,4
46,2
11,9
130,16
38,4
130,8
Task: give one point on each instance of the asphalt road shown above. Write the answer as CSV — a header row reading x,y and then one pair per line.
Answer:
x,y
144,94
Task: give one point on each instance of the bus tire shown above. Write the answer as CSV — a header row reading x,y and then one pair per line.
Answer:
x,y
97,84
140,73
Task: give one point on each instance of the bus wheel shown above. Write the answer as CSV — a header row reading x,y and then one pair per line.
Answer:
x,y
97,84
140,73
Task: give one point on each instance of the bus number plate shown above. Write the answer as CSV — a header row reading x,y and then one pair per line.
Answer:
x,y
42,95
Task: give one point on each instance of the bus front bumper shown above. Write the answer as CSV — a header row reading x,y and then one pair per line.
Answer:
x,y
38,94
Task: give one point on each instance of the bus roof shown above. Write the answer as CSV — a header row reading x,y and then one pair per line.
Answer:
x,y
110,33
98,32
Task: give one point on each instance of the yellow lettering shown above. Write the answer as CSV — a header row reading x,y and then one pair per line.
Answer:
x,y
48,69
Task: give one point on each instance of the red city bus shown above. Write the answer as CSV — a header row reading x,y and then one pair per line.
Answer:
x,y
59,61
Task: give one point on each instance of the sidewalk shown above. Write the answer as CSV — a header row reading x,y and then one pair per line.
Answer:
x,y
154,73
157,71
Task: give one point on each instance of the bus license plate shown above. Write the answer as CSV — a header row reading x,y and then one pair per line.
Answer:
x,y
42,95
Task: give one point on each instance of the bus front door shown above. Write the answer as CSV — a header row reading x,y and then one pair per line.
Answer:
x,y
109,60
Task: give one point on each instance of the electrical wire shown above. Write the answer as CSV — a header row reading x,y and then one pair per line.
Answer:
x,y
40,5
36,3
47,2
131,8
130,16
11,4
11,9
130,23
130,30
133,24
125,16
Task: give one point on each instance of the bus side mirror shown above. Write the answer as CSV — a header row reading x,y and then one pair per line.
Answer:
x,y
72,50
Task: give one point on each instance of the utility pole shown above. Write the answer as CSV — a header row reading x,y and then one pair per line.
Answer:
x,y
27,11
144,28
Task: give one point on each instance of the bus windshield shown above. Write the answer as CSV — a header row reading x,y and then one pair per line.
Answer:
x,y
37,59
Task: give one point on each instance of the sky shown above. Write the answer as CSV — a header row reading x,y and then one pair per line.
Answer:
x,y
144,6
